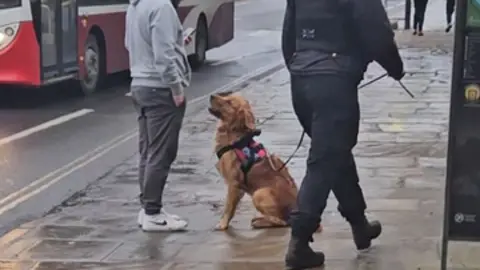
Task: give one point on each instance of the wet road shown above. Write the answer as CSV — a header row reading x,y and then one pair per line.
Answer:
x,y
54,142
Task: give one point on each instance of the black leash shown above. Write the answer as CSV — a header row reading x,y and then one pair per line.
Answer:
x,y
294,152
373,80
360,87
383,76
406,89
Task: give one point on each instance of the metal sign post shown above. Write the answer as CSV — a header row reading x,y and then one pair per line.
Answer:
x,y
462,187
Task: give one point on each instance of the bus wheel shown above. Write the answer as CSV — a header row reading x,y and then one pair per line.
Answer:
x,y
94,66
201,44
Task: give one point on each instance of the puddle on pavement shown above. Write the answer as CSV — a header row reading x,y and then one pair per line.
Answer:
x,y
16,265
110,220
146,251
150,265
55,231
126,179
187,161
228,266
182,170
66,249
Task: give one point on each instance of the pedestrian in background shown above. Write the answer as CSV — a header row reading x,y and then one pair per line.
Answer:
x,y
327,46
450,10
160,71
420,7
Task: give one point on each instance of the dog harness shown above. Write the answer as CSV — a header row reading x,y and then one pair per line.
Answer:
x,y
247,150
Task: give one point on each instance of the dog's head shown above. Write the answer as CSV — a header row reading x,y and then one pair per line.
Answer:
x,y
233,110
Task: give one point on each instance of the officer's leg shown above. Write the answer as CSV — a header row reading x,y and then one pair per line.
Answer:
x,y
300,104
332,99
347,188
351,203
334,126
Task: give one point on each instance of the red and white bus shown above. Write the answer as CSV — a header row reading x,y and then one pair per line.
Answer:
x,y
47,41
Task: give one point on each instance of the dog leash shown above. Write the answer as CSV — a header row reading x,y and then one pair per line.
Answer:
x,y
373,80
294,152
360,87
406,89
383,76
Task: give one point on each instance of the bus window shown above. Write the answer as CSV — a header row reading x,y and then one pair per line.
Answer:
x,y
10,3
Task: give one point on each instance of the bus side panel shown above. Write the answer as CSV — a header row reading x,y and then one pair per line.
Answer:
x,y
20,61
221,27
188,15
112,28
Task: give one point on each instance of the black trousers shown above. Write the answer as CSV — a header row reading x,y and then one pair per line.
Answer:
x,y
450,9
419,16
328,110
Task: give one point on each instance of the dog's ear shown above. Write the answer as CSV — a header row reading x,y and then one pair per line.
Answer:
x,y
248,119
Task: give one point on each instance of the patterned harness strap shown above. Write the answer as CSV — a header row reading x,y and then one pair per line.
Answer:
x,y
247,150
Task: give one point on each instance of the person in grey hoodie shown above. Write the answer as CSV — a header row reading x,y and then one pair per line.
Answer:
x,y
160,72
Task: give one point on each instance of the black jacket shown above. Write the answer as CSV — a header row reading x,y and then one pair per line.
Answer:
x,y
368,29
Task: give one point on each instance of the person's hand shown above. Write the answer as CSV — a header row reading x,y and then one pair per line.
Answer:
x,y
179,100
178,95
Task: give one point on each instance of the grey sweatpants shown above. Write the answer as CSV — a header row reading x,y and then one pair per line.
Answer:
x,y
159,123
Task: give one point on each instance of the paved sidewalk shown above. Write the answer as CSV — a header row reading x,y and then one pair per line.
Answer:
x,y
401,159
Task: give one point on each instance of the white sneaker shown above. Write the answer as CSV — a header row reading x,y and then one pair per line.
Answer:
x,y
141,214
163,211
163,222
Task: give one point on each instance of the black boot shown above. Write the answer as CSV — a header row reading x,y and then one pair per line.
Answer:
x,y
364,232
449,27
301,256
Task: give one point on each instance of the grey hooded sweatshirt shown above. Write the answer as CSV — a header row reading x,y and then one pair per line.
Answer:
x,y
155,42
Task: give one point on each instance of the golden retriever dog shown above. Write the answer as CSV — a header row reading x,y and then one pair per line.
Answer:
x,y
247,167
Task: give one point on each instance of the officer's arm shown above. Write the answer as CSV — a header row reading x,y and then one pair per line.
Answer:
x,y
288,32
376,34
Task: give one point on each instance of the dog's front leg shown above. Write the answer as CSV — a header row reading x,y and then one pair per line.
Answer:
x,y
234,195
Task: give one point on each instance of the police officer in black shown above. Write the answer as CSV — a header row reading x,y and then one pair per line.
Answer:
x,y
327,46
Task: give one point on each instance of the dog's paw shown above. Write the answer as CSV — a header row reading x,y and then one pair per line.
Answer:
x,y
221,226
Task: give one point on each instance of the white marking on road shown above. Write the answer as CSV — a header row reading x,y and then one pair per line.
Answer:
x,y
54,122
129,94
16,198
